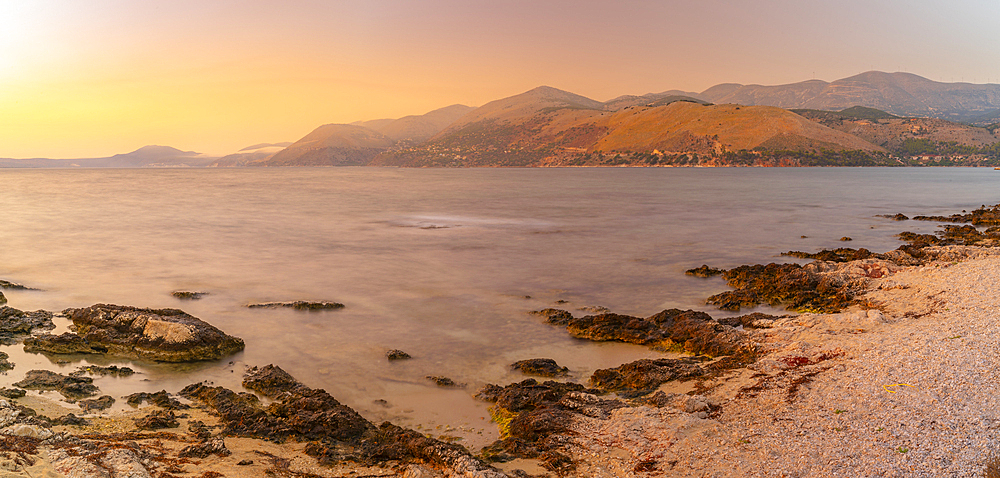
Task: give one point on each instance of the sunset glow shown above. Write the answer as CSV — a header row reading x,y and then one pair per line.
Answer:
x,y
85,79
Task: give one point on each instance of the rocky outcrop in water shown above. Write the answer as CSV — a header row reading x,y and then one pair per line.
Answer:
x,y
673,329
162,335
298,305
70,387
334,431
542,367
15,323
188,294
984,216
97,404
161,399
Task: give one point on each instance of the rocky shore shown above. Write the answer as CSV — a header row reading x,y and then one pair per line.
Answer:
x,y
882,367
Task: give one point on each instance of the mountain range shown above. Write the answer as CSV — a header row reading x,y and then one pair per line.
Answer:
x,y
867,119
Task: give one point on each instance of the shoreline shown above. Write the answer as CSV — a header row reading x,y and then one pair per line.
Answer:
x,y
901,388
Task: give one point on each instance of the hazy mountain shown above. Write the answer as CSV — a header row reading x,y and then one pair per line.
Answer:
x,y
418,128
260,146
144,157
902,94
333,145
251,155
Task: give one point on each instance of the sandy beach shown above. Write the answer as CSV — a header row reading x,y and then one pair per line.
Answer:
x,y
906,389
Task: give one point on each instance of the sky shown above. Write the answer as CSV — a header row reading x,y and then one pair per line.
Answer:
x,y
98,77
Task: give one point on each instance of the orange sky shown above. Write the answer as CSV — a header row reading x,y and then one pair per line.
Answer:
x,y
96,78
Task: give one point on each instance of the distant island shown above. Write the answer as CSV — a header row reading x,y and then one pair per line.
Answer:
x,y
871,119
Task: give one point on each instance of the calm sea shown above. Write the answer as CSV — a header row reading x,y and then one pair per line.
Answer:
x,y
441,263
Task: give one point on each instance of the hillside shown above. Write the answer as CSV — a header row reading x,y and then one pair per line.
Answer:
x,y
357,144
332,145
549,127
901,94
897,134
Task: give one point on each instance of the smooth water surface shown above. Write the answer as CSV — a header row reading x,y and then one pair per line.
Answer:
x,y
441,263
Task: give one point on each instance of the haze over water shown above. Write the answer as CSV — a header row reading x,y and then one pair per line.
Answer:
x,y
441,263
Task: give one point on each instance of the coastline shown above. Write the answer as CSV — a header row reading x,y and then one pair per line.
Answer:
x,y
899,389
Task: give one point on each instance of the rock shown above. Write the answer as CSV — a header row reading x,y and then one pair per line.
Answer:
x,y
845,239
70,387
642,376
161,399
333,430
798,287
98,404
689,330
213,446
693,404
591,405
595,309
843,254
162,335
529,414
756,320
70,420
298,305
704,271
188,295
555,316
984,216
156,420
245,462
3,300
528,394
5,365
14,323
12,392
542,367
30,431
396,355
894,217
444,381
13,286
113,370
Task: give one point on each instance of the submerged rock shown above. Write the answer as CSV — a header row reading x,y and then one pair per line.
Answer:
x,y
163,335
69,387
687,330
298,305
704,271
188,294
113,370
542,367
4,284
397,355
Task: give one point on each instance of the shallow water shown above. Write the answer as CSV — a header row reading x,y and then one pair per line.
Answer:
x,y
437,262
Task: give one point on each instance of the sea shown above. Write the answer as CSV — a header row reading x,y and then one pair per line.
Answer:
x,y
444,264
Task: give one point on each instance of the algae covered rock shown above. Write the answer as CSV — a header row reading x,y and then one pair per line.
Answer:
x,y
542,367
14,323
69,387
162,335
689,330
